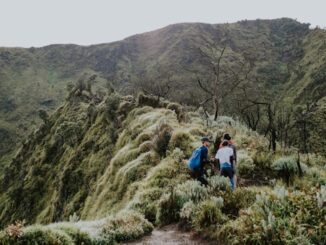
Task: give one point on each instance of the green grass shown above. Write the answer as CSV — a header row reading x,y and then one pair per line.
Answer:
x,y
102,160
95,169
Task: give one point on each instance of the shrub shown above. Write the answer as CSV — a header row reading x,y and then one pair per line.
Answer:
x,y
112,104
162,138
314,175
145,147
5,239
225,120
187,211
46,236
197,131
191,190
321,197
147,100
207,214
145,202
239,199
16,229
125,226
77,236
43,115
245,165
103,240
169,172
181,139
279,217
69,132
12,233
243,141
178,155
168,208
287,168
177,108
263,160
74,217
141,138
218,184
125,107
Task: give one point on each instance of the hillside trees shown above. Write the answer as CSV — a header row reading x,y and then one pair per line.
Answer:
x,y
225,71
301,126
262,112
157,83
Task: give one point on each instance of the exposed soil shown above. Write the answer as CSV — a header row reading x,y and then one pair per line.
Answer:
x,y
171,235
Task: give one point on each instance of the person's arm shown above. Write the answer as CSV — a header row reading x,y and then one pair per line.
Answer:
x,y
218,164
235,153
231,160
205,156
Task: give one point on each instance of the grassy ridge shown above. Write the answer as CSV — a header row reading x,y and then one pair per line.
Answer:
x,y
121,161
92,158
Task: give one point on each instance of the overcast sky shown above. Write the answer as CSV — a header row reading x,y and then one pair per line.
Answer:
x,y
27,23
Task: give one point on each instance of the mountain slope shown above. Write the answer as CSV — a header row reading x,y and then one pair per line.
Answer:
x,y
35,78
92,159
119,165
308,80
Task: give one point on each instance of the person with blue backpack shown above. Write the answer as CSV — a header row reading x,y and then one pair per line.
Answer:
x,y
198,160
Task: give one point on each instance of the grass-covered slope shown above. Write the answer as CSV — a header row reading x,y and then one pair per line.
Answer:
x,y
118,164
87,158
35,78
307,81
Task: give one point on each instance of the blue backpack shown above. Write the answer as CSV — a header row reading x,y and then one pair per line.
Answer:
x,y
194,161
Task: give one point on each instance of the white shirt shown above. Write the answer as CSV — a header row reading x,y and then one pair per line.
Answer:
x,y
224,154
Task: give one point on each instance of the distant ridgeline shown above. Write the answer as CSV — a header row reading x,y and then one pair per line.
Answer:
x,y
289,64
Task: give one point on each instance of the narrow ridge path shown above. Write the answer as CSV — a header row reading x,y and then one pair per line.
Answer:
x,y
170,235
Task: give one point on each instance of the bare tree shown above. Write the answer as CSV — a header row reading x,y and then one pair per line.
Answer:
x,y
254,105
304,124
158,84
225,72
284,125
250,113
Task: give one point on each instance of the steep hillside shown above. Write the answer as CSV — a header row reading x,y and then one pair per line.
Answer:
x,y
119,163
88,157
36,78
308,79
83,159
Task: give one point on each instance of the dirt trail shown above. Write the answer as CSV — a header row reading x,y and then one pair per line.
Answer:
x,y
170,235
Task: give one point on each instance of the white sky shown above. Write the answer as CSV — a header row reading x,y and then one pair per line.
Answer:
x,y
27,23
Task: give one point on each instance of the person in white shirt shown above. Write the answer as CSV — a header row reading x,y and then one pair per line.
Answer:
x,y
234,148
225,159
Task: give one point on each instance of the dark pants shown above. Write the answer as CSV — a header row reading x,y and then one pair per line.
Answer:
x,y
199,174
228,172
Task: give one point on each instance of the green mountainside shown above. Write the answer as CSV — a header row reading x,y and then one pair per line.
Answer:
x,y
118,164
287,56
87,159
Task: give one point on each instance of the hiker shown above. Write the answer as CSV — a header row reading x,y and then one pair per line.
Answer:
x,y
234,165
225,159
198,160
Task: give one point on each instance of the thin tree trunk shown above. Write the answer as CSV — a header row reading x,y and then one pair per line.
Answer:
x,y
216,109
299,165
